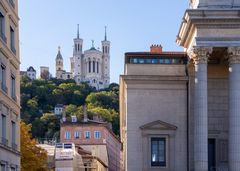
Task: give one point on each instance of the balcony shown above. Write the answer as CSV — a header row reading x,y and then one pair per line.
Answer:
x,y
12,3
13,49
3,37
14,146
4,141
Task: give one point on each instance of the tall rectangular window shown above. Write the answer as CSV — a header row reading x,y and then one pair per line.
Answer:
x,y
12,39
4,130
2,28
97,67
158,151
97,134
14,146
67,135
13,87
3,78
93,66
77,134
3,167
89,66
87,134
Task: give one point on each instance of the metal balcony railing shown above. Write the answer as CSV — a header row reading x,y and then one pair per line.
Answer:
x,y
4,141
3,37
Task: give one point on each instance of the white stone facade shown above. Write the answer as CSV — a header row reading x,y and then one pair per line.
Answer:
x,y
91,66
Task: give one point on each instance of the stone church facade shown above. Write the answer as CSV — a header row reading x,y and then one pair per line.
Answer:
x,y
91,66
186,116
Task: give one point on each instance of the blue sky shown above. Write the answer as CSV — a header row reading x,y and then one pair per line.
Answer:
x,y
132,25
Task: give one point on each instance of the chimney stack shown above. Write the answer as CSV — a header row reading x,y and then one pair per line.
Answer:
x,y
156,48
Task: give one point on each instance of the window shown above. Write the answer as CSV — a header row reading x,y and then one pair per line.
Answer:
x,y
158,151
13,87
97,134
13,169
14,146
3,78
12,39
2,28
12,3
89,66
4,124
77,134
93,66
97,67
3,167
87,134
67,135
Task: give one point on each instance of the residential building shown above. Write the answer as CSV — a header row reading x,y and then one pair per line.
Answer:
x,y
59,109
95,137
9,86
31,73
92,65
153,110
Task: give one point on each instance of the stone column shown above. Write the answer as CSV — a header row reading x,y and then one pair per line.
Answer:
x,y
200,57
234,109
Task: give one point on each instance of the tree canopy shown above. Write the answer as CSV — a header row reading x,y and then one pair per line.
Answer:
x,y
33,158
39,97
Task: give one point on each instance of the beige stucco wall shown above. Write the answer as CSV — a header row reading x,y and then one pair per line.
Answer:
x,y
9,106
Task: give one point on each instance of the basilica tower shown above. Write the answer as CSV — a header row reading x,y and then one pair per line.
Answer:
x,y
59,64
106,59
77,58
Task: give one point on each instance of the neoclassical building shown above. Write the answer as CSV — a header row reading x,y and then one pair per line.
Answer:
x,y
91,66
9,87
198,100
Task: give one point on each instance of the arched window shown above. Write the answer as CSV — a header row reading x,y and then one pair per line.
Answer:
x,y
93,66
89,66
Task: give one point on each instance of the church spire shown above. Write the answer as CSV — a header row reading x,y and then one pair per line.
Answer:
x,y
78,31
105,38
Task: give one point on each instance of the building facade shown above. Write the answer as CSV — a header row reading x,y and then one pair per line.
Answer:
x,y
95,137
9,86
153,110
91,66
186,116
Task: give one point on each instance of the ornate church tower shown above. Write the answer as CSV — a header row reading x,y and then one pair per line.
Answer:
x,y
77,58
59,64
106,60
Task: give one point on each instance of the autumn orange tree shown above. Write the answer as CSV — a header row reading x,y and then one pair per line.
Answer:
x,y
33,158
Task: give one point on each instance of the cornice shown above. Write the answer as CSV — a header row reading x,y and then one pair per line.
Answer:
x,y
206,18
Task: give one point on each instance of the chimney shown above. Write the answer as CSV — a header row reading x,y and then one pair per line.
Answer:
x,y
85,117
156,48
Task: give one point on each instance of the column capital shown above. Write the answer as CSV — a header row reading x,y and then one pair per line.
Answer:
x,y
200,54
234,55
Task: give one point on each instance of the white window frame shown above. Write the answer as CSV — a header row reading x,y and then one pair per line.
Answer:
x,y
87,133
77,134
67,135
97,134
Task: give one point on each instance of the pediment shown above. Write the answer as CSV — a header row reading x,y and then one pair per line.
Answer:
x,y
158,125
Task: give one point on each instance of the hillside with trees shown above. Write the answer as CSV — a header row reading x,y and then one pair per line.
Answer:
x,y
39,97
